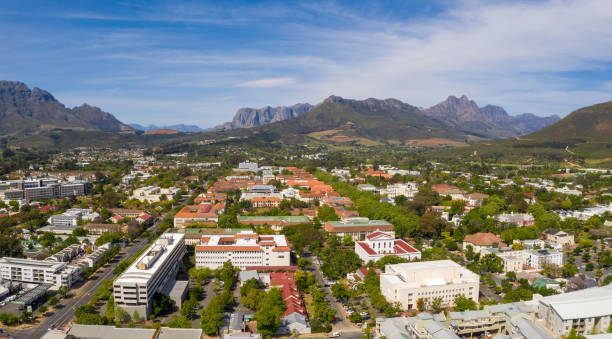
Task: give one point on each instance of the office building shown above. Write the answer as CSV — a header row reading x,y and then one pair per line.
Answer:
x,y
243,249
408,282
149,274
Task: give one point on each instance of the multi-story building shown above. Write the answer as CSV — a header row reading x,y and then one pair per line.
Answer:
x,y
56,273
546,256
408,282
587,311
559,237
198,213
243,249
71,216
357,228
408,190
380,244
150,273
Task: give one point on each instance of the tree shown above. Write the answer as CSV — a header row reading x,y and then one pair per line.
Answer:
x,y
303,263
268,321
511,275
8,319
569,270
420,304
463,304
179,322
53,301
348,240
491,263
162,304
135,316
188,307
109,313
42,308
62,290
430,224
110,199
79,232
339,291
436,304
355,317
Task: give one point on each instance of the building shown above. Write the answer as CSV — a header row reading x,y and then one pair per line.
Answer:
x,y
519,219
480,241
150,273
408,190
514,261
277,223
265,202
295,317
112,332
559,237
539,258
38,271
130,227
71,217
243,249
380,244
247,166
358,228
199,213
408,282
587,311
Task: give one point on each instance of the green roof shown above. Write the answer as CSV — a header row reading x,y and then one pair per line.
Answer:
x,y
359,222
284,218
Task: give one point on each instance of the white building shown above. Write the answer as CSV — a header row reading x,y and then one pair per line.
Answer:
x,y
380,244
546,256
243,249
71,216
247,166
520,219
149,274
153,194
38,271
588,310
407,283
408,190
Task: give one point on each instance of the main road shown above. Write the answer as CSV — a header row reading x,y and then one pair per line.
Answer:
x,y
64,314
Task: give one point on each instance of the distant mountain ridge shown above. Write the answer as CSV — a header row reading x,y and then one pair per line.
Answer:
x,y
591,124
177,127
365,122
489,121
25,111
252,117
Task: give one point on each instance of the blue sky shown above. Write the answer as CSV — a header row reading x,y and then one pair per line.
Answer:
x,y
166,62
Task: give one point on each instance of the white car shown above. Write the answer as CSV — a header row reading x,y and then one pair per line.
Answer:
x,y
335,335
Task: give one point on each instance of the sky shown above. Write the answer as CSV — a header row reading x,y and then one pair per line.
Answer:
x,y
197,62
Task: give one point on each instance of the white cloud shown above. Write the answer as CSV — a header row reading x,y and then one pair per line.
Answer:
x,y
267,82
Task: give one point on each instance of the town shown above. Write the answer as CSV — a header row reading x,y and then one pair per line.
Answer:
x,y
110,243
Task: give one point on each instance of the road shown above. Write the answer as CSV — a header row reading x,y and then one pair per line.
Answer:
x,y
81,296
342,324
63,314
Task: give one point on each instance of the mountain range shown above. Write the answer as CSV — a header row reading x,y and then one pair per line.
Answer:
x,y
177,127
463,114
489,121
253,117
24,111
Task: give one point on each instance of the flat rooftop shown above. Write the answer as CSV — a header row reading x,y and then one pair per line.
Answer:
x,y
136,275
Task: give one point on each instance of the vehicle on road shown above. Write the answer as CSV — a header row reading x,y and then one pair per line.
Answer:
x,y
335,335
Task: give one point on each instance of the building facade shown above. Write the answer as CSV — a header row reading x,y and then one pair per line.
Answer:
x,y
380,244
408,282
149,274
243,249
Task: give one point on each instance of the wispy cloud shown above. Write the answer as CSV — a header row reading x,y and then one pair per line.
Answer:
x,y
267,82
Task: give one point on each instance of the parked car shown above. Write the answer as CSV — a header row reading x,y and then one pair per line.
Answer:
x,y
335,335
